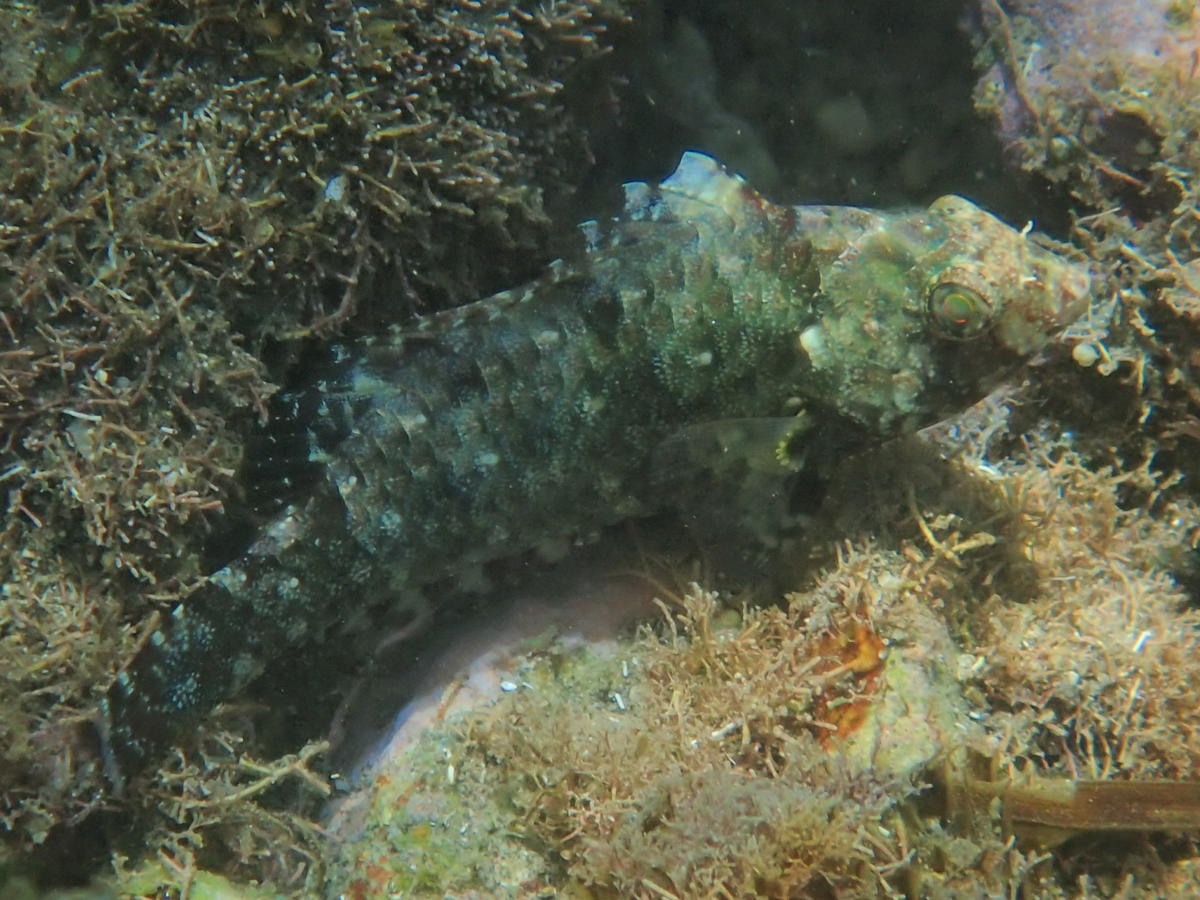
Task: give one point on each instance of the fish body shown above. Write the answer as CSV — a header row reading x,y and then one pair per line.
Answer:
x,y
541,412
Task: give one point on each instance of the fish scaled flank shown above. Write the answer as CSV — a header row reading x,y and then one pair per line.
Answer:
x,y
539,412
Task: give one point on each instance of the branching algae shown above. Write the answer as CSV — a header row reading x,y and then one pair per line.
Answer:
x,y
781,335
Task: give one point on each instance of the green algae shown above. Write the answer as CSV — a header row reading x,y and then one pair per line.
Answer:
x,y
158,881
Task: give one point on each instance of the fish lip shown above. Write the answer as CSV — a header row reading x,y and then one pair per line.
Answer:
x,y
1075,291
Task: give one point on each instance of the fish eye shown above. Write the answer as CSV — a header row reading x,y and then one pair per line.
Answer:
x,y
958,312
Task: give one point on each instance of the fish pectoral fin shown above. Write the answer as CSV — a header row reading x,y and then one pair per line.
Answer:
x,y
731,448
732,482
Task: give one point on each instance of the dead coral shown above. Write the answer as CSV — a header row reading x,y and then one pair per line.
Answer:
x,y
1009,609
1093,678
1080,640
738,762
1097,102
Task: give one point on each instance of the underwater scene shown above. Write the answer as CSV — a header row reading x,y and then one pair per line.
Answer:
x,y
600,449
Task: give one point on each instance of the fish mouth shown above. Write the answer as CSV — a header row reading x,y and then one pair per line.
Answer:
x,y
1075,293
1054,295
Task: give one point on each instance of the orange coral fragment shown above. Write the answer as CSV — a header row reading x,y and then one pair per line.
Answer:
x,y
844,705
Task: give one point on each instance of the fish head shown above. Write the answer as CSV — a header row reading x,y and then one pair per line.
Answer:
x,y
919,315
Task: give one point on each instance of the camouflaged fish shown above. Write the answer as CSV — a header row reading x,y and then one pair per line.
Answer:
x,y
701,314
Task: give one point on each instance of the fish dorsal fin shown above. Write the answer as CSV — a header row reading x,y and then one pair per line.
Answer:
x,y
700,190
702,181
700,187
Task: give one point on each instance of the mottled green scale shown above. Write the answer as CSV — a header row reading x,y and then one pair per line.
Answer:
x,y
576,401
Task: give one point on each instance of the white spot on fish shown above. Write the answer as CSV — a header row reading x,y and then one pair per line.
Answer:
x,y
812,342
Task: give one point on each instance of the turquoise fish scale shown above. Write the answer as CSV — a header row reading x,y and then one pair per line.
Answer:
x,y
539,413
